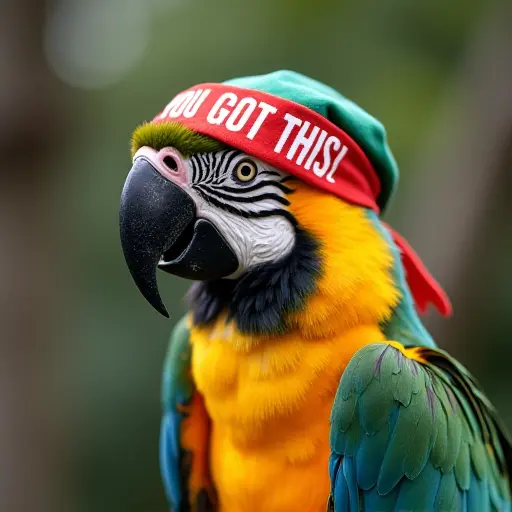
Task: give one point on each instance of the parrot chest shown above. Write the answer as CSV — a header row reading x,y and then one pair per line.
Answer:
x,y
270,402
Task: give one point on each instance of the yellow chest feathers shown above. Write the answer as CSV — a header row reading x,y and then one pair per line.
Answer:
x,y
263,391
271,393
270,398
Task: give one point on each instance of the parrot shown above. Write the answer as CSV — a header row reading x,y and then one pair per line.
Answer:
x,y
301,378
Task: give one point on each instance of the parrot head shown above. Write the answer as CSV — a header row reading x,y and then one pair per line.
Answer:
x,y
256,191
256,239
196,208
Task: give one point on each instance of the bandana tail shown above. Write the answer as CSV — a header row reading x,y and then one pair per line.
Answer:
x,y
424,288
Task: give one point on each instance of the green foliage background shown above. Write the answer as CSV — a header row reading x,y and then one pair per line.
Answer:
x,y
396,58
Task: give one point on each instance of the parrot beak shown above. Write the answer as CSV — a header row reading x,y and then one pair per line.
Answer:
x,y
159,228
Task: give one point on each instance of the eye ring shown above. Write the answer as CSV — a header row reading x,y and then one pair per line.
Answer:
x,y
245,170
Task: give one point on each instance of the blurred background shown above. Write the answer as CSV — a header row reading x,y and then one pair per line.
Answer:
x,y
81,352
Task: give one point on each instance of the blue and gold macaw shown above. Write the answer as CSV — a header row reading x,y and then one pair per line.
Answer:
x,y
301,379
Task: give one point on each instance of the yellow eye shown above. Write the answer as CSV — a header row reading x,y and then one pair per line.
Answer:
x,y
246,170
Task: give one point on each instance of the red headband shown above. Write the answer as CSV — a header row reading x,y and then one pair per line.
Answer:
x,y
298,140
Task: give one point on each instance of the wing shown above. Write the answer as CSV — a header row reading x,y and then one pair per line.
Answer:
x,y
185,432
412,431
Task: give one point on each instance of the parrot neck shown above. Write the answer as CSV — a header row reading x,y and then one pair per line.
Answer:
x,y
404,325
260,300
352,278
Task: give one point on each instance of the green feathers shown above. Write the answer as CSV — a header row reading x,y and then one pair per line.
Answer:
x,y
415,433
177,385
164,134
177,391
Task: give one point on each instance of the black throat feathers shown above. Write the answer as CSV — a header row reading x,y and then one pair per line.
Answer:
x,y
260,299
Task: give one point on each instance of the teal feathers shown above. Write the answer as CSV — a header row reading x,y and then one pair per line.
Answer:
x,y
177,390
404,324
415,435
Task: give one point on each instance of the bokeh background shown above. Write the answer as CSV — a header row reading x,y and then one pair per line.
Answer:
x,y
81,352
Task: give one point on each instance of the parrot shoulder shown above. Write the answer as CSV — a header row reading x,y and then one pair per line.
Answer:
x,y
185,430
412,430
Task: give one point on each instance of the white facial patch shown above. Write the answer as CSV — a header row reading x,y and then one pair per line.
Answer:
x,y
251,215
254,241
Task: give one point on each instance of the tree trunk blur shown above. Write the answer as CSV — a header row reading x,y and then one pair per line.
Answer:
x,y
30,122
463,173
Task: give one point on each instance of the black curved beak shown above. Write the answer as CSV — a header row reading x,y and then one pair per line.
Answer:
x,y
159,228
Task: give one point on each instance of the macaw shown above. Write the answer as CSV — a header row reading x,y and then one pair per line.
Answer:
x,y
301,379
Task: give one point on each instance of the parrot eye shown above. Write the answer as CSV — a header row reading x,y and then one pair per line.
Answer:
x,y
245,171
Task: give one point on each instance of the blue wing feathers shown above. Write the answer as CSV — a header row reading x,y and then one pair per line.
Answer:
x,y
334,464
169,457
349,472
177,390
341,488
420,493
410,435
374,501
447,493
478,495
